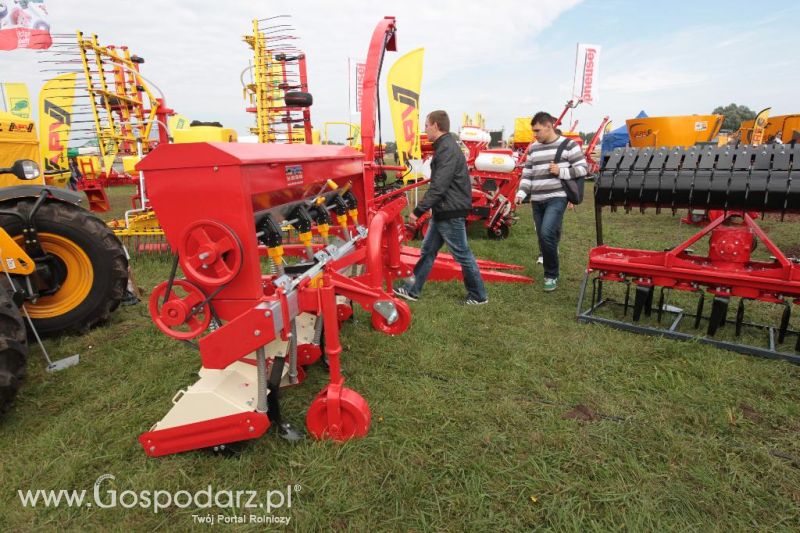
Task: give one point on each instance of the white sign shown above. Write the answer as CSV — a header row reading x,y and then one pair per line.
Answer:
x,y
361,69
587,70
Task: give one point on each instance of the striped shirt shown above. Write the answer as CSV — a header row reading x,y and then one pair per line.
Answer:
x,y
536,178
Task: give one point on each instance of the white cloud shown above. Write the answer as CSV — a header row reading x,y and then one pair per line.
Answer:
x,y
486,57
195,54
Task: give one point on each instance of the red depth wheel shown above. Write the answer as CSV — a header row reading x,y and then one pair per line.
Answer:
x,y
344,312
172,317
210,253
308,354
399,325
352,420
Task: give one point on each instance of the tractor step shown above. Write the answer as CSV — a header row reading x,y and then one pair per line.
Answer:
x,y
96,194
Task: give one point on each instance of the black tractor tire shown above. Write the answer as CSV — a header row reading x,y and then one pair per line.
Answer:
x,y
298,99
13,351
91,290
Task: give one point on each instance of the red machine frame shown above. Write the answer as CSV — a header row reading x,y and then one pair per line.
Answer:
x,y
727,271
225,207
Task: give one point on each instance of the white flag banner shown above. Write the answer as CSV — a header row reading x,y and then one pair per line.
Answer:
x,y
361,68
587,70
356,68
24,24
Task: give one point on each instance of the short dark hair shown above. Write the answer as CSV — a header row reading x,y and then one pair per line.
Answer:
x,y
544,118
441,120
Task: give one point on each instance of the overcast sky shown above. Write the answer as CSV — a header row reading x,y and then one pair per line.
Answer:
x,y
501,58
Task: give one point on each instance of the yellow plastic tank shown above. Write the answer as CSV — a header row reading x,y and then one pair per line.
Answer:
x,y
196,134
18,140
523,133
680,130
785,124
129,164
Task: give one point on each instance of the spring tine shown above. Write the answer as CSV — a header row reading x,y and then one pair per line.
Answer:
x,y
275,17
660,304
594,292
643,292
648,308
699,312
787,312
718,311
723,319
739,317
627,299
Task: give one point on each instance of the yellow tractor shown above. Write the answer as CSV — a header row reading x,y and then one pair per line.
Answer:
x,y
61,267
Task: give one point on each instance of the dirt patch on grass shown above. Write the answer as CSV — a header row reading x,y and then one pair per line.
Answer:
x,y
793,251
581,412
750,413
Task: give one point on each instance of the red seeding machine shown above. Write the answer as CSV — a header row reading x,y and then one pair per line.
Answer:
x,y
737,184
273,260
495,175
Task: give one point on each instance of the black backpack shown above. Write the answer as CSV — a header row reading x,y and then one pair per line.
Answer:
x,y
573,188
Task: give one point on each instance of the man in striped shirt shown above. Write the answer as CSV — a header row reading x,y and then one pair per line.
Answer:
x,y
541,180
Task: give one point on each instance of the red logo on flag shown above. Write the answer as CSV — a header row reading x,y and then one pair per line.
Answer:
x,y
361,68
588,75
24,25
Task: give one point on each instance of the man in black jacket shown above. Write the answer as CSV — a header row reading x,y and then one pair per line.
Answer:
x,y
449,197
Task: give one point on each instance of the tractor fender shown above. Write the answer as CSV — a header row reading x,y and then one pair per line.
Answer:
x,y
34,191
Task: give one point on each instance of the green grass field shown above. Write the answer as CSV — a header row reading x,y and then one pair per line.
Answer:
x,y
506,417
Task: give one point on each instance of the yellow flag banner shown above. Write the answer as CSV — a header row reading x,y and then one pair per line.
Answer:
x,y
55,120
758,126
178,122
523,132
403,83
111,147
17,100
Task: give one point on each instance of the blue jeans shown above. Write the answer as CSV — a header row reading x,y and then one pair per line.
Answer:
x,y
548,217
452,232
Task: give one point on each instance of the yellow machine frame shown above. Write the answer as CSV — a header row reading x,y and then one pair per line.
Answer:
x,y
15,260
128,88
266,93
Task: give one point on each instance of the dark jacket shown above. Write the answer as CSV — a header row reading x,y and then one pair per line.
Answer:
x,y
450,192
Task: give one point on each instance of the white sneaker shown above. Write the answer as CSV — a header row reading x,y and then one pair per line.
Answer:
x,y
540,261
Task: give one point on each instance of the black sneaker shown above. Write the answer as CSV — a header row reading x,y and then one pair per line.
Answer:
x,y
403,292
472,301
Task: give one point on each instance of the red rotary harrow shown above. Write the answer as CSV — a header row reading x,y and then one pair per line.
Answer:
x,y
737,183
